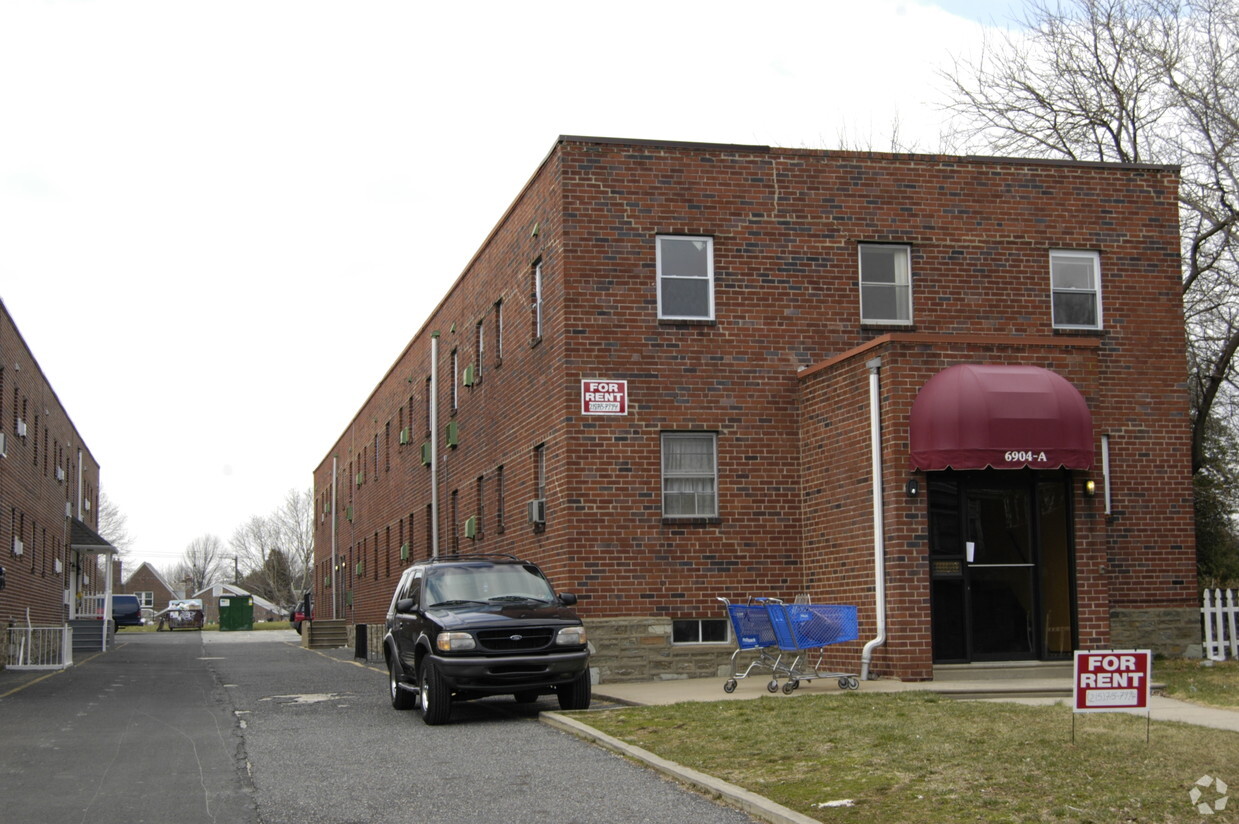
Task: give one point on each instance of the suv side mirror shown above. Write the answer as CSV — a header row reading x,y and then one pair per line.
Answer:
x,y
405,605
567,599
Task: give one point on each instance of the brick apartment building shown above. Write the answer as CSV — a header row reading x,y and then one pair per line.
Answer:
x,y
665,374
49,488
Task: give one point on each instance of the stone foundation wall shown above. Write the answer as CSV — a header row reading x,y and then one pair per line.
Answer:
x,y
1174,633
640,649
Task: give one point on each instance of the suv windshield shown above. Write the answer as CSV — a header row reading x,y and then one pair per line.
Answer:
x,y
450,586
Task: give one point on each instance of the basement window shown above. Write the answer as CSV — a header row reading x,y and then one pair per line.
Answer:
x,y
699,631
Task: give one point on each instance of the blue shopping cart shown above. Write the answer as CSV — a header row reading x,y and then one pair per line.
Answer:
x,y
775,631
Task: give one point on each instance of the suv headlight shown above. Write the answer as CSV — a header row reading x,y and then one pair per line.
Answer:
x,y
454,641
571,637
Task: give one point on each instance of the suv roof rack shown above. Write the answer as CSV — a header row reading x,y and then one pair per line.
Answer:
x,y
473,556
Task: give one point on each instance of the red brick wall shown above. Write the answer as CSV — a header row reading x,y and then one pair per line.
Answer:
x,y
32,493
793,447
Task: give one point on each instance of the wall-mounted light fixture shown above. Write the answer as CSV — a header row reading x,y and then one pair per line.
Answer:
x,y
912,487
1090,488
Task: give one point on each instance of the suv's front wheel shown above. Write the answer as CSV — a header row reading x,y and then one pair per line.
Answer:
x,y
576,693
436,699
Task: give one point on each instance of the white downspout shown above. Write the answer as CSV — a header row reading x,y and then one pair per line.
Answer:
x,y
335,520
433,400
879,536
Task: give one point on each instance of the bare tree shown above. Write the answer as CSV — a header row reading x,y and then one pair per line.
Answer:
x,y
1133,81
295,520
256,543
201,565
114,525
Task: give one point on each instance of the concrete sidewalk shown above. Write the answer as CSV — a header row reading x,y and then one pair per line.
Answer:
x,y
1025,691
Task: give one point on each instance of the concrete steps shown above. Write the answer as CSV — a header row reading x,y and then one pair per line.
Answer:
x,y
325,634
1004,679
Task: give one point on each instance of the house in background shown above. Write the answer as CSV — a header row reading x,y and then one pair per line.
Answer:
x,y
153,590
264,610
947,390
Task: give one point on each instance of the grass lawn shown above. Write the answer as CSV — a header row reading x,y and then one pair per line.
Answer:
x,y
1215,686
919,757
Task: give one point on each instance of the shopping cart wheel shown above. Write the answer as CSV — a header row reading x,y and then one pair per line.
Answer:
x,y
773,686
729,685
853,683
790,686
843,683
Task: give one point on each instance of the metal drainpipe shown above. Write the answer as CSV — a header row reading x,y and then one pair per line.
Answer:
x,y
879,537
335,519
434,445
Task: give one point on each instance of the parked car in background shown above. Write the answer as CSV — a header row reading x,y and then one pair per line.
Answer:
x,y
304,611
126,611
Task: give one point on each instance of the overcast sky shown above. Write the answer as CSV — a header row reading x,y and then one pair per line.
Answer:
x,y
221,222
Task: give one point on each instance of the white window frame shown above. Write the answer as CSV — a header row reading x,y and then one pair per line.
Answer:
x,y
1095,259
673,475
709,276
146,599
537,300
905,285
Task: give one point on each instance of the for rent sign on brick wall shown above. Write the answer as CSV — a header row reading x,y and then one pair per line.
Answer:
x,y
1112,681
604,397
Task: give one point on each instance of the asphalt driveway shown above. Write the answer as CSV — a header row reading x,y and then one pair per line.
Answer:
x,y
249,727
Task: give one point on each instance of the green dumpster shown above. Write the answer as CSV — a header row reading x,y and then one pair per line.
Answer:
x,y
236,612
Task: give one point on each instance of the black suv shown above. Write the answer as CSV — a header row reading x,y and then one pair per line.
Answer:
x,y
465,626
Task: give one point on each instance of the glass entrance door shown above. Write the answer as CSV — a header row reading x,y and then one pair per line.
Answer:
x,y
999,563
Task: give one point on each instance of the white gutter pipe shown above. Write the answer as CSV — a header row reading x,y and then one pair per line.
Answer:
x,y
879,536
335,520
434,444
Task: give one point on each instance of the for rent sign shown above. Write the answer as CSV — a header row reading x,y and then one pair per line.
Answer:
x,y
604,397
1112,681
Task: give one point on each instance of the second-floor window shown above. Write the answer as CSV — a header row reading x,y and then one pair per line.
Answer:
x,y
885,284
685,277
1075,284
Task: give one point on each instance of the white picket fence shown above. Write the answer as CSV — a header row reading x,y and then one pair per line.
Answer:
x,y
1218,610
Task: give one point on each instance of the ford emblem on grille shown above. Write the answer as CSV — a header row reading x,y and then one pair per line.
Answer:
x,y
516,637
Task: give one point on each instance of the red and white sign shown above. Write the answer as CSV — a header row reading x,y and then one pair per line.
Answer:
x,y
604,397
1112,680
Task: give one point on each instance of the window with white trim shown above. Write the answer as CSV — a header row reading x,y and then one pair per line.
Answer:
x,y
885,283
146,599
690,476
685,277
1075,285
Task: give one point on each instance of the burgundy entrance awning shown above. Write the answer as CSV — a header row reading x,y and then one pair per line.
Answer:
x,y
1007,417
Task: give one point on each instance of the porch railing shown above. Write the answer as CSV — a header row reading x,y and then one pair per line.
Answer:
x,y
1218,610
90,606
39,648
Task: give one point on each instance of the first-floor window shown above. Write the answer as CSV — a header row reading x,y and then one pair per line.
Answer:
x,y
146,599
690,477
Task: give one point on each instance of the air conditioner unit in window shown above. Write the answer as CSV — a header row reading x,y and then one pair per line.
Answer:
x,y
18,546
405,436
451,435
471,527
537,511
470,376
426,454
21,428
86,504
60,472
4,446
68,509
